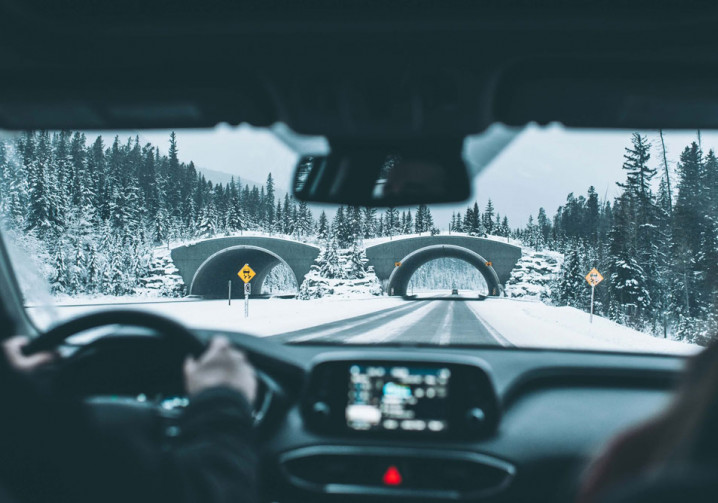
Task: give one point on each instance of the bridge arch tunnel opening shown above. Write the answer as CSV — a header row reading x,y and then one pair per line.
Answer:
x,y
401,276
273,274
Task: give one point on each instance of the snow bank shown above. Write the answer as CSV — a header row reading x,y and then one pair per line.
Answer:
x,y
315,286
266,316
533,324
63,300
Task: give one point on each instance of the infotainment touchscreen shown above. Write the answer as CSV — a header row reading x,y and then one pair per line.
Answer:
x,y
398,398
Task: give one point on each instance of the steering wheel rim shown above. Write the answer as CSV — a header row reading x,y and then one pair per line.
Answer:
x,y
165,327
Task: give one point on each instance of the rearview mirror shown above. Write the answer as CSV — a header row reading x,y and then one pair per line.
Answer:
x,y
371,175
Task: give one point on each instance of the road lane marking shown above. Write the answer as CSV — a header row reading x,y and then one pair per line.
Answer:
x,y
349,325
393,328
444,332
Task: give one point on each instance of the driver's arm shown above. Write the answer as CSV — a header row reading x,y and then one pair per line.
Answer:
x,y
50,452
215,428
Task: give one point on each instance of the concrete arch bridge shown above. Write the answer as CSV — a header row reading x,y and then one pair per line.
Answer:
x,y
493,259
207,266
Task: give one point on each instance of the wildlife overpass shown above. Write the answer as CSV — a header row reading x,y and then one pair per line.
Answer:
x,y
396,261
207,266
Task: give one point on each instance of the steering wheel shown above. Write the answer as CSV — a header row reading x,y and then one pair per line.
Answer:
x,y
170,332
165,328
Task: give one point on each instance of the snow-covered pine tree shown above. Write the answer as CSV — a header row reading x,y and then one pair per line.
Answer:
x,y
329,265
369,222
391,222
305,221
571,289
357,263
476,228
206,227
419,220
505,228
688,213
279,219
60,280
322,226
341,229
488,218
268,203
429,222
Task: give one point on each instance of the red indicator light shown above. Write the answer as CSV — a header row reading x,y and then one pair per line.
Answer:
x,y
392,477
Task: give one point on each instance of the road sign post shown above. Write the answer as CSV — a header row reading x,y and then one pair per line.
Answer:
x,y
229,292
594,278
246,274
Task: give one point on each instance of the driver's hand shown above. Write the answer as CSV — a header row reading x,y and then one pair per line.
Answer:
x,y
12,349
220,365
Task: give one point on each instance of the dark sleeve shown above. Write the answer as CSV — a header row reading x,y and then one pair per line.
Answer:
x,y
51,451
215,458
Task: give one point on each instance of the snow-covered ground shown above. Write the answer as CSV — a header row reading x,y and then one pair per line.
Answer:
x,y
266,316
527,323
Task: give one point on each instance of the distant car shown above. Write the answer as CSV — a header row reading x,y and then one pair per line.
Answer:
x,y
454,291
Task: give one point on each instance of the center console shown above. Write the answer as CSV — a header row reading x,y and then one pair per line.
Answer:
x,y
399,398
376,405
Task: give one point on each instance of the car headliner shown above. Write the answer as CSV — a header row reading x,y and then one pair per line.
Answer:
x,y
359,69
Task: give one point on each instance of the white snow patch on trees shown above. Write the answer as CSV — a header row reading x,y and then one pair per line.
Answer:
x,y
534,275
340,273
163,278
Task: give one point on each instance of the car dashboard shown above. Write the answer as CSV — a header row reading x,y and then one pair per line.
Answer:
x,y
346,424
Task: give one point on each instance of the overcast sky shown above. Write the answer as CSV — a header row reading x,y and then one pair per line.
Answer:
x,y
539,168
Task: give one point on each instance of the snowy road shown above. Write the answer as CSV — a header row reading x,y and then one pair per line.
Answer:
x,y
442,321
429,320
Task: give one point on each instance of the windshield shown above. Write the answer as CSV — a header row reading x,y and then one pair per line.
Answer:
x,y
599,240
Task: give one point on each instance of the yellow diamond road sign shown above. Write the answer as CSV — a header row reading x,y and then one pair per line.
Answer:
x,y
246,273
594,277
